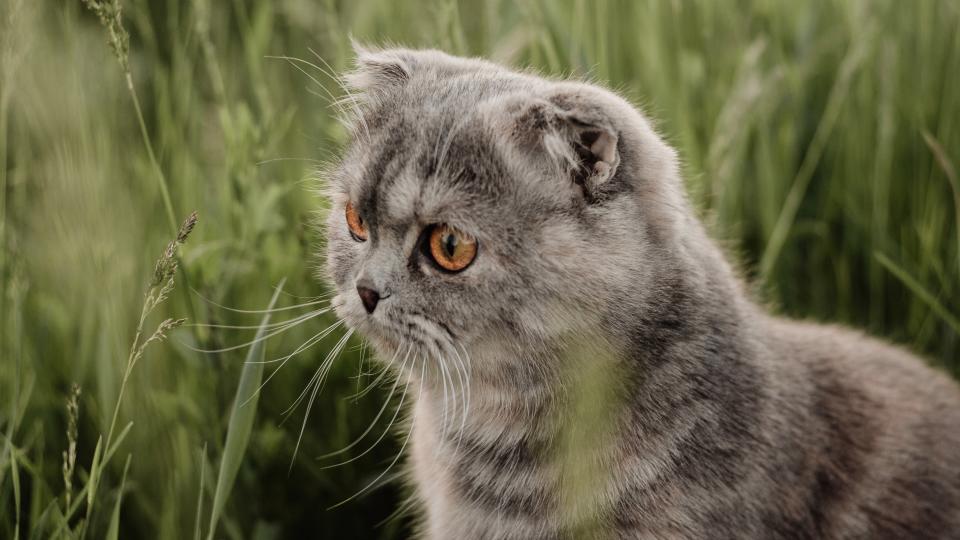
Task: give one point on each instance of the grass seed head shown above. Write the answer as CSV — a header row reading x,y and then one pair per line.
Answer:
x,y
70,454
110,13
166,265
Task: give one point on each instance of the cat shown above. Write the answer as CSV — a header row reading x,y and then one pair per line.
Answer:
x,y
579,358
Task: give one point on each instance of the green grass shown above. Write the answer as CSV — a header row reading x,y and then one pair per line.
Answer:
x,y
819,139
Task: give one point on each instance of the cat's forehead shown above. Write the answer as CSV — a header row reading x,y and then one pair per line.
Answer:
x,y
439,147
428,168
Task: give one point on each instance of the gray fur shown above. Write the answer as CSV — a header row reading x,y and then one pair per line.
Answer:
x,y
720,421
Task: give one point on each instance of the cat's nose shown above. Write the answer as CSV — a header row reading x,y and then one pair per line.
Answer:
x,y
369,297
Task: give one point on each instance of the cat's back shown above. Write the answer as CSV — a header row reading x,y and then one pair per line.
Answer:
x,y
882,431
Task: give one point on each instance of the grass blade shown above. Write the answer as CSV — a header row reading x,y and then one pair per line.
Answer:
x,y
116,444
241,420
922,293
203,472
51,512
86,489
15,477
114,531
951,173
92,484
838,95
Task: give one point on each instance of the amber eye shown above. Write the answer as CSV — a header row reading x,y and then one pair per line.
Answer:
x,y
452,249
358,229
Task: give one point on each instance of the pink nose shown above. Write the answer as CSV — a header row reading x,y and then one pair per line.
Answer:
x,y
369,297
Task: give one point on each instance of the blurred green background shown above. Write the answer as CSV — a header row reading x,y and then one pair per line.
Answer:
x,y
819,140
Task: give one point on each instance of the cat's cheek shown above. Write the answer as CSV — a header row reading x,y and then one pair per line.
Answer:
x,y
342,257
339,307
350,312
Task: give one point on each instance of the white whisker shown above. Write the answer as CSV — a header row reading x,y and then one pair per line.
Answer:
x,y
331,72
318,375
347,95
295,63
256,326
335,102
323,298
443,379
274,160
363,352
372,423
465,394
383,372
316,338
290,324
403,447
466,371
310,342
318,384
309,298
383,434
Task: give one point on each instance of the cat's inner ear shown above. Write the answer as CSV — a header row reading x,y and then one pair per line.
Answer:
x,y
576,137
596,148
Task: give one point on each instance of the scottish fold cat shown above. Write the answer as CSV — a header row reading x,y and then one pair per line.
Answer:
x,y
579,358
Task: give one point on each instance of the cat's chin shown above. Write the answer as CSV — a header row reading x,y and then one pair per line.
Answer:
x,y
383,342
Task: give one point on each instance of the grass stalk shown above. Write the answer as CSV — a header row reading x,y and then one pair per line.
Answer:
x,y
920,291
801,182
110,13
951,173
160,287
148,144
241,419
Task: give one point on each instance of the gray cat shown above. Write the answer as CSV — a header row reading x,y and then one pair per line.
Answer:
x,y
579,358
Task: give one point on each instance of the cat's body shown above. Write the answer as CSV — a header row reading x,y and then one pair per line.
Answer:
x,y
605,373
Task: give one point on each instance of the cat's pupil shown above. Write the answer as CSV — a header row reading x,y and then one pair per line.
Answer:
x,y
450,244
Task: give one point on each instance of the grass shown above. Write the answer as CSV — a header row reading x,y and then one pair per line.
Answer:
x,y
820,141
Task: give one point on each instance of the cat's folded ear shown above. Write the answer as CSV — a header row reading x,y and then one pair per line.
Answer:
x,y
378,71
576,135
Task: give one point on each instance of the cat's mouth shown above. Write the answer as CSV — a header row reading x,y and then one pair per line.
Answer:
x,y
398,330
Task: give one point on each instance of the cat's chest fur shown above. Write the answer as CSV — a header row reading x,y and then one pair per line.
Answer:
x,y
493,479
528,461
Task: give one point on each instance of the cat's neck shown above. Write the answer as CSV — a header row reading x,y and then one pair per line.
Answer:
x,y
693,321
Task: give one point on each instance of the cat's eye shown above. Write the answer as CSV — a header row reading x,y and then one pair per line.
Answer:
x,y
452,249
358,229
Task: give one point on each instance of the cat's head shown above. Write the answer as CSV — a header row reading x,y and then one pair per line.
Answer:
x,y
481,207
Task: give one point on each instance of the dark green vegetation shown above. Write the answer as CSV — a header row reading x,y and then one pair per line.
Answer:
x,y
820,139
